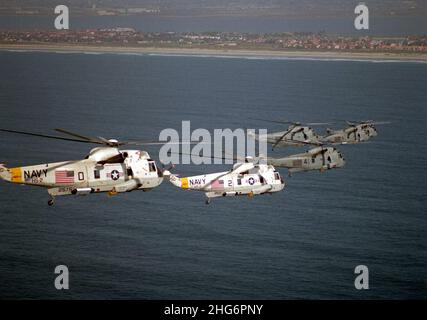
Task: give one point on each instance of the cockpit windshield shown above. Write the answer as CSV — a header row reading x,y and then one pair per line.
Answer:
x,y
152,166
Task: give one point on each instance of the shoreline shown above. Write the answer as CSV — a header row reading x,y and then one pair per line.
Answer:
x,y
368,56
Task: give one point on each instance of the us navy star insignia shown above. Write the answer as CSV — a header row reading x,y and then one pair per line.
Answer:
x,y
115,175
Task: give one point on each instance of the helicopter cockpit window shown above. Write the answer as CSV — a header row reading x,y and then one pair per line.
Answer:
x,y
152,167
329,159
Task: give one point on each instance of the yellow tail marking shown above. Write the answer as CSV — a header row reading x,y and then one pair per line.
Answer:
x,y
184,183
16,175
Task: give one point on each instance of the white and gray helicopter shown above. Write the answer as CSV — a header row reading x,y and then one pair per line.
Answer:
x,y
104,169
356,132
296,135
246,178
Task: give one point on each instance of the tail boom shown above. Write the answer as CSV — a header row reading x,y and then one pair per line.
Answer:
x,y
178,182
13,175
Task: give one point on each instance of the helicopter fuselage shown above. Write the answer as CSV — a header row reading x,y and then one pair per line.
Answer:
x,y
352,134
105,169
257,179
319,158
295,136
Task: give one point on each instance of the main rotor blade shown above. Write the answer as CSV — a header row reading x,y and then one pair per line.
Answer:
x,y
321,151
154,143
234,157
49,136
296,123
75,135
281,138
63,164
304,142
202,156
95,140
273,121
234,170
319,123
102,140
379,122
211,157
358,122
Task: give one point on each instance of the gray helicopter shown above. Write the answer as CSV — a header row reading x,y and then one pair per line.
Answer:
x,y
319,158
297,134
355,132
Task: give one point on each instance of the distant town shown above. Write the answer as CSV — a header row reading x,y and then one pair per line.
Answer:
x,y
127,37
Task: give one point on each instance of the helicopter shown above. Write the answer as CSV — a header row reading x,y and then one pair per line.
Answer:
x,y
356,132
297,134
321,158
105,169
318,158
246,178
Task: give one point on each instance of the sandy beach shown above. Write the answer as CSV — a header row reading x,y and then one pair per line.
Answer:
x,y
218,52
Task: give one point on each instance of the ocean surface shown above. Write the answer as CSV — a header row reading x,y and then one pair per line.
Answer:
x,y
378,25
304,242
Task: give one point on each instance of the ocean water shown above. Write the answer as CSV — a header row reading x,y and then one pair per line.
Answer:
x,y
301,243
379,25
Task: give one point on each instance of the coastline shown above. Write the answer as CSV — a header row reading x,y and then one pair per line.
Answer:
x,y
368,56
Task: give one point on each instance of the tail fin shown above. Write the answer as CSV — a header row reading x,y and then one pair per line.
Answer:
x,y
11,174
5,173
178,182
174,179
